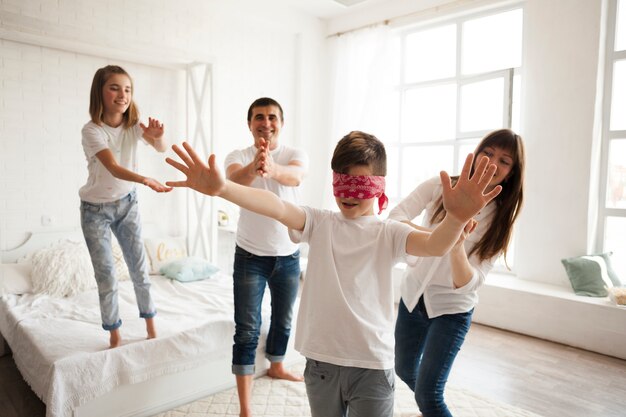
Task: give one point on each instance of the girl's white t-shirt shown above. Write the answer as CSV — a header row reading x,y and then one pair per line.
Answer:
x,y
102,186
346,314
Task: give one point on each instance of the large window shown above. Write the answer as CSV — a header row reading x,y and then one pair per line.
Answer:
x,y
457,81
429,91
612,207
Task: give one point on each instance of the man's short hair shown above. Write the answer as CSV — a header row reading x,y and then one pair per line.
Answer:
x,y
264,102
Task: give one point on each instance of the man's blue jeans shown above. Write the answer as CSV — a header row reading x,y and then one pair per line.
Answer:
x,y
425,350
250,276
121,217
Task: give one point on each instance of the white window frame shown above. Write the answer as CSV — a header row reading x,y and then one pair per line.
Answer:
x,y
461,138
608,135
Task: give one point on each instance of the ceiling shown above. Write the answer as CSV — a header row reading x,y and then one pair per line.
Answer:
x,y
328,9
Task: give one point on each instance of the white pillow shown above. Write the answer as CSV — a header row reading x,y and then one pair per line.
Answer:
x,y
164,250
15,278
63,269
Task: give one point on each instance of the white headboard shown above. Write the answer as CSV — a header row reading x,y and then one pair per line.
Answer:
x,y
39,240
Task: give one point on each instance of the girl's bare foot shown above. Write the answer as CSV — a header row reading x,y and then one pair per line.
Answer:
x,y
115,339
277,370
150,328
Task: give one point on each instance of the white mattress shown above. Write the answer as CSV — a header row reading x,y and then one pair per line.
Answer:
x,y
61,348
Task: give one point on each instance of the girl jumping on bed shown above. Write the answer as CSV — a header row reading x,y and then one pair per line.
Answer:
x,y
109,200
439,294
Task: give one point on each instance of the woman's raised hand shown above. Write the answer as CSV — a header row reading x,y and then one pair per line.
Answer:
x,y
469,195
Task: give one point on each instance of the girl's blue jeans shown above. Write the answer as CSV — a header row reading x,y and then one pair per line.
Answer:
x,y
425,350
121,217
251,274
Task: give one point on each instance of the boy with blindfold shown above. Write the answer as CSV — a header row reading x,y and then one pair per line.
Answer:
x,y
346,318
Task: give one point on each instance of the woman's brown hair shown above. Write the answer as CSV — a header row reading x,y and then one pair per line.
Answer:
x,y
96,107
508,203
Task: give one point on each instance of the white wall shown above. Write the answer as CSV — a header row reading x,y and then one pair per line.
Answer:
x,y
561,60
256,49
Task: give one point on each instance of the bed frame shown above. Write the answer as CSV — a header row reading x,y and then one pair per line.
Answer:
x,y
161,393
170,391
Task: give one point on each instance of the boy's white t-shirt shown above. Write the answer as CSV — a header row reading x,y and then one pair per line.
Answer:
x,y
346,314
261,235
102,186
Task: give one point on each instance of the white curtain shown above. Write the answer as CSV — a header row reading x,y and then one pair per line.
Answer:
x,y
364,70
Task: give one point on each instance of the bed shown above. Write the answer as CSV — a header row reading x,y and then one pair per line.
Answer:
x,y
61,350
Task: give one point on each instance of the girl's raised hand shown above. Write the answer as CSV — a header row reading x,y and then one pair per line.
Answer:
x,y
153,131
469,196
200,176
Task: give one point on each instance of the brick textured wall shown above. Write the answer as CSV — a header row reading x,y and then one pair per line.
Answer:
x,y
44,90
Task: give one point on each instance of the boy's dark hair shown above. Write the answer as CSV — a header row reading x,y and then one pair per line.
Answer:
x,y
96,107
359,148
264,102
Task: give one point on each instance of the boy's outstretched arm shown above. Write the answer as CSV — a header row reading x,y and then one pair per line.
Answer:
x,y
462,202
207,179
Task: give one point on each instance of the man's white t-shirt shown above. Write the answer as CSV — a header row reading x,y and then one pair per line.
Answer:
x,y
102,186
346,314
258,234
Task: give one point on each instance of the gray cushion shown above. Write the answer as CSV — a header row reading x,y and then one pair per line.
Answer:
x,y
591,275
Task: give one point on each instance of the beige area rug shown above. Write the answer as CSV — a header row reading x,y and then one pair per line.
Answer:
x,y
278,398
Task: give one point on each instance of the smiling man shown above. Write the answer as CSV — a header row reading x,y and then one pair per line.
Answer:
x,y
264,254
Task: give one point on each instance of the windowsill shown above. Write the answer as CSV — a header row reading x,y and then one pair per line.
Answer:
x,y
511,282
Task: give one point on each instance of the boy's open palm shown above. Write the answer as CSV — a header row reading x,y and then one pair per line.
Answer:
x,y
200,176
468,196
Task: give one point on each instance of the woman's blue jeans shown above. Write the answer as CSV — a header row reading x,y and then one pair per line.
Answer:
x,y
425,350
251,274
121,217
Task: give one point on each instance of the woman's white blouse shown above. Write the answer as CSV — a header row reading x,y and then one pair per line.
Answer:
x,y
432,276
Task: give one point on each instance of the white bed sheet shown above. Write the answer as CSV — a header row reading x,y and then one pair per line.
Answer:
x,y
61,349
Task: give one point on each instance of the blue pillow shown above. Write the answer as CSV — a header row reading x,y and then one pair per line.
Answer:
x,y
189,269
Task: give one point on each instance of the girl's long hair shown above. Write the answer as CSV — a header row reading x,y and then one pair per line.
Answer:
x,y
96,107
508,203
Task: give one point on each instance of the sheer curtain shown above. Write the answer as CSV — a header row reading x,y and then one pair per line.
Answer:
x,y
364,70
